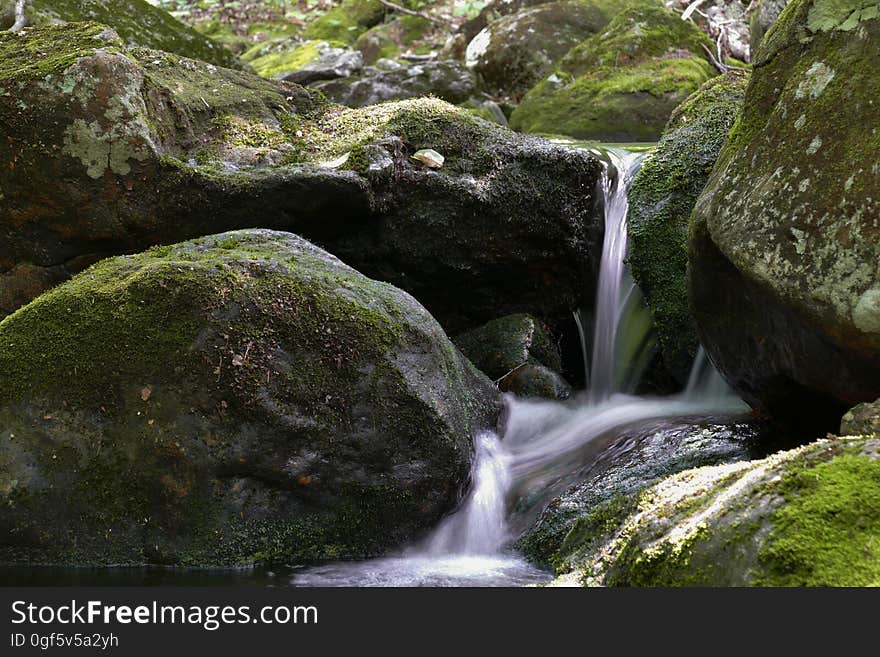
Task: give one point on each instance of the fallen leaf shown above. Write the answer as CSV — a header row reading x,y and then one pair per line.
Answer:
x,y
430,158
145,393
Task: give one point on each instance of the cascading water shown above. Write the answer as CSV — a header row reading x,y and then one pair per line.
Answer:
x,y
547,443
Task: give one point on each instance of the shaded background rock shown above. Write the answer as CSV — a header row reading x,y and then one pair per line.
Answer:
x,y
623,84
785,250
516,352
515,52
448,80
242,397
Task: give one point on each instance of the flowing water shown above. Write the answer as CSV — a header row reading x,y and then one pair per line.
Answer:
x,y
546,443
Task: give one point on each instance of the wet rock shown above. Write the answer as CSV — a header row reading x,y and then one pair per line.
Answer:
x,y
803,517
785,245
238,398
611,486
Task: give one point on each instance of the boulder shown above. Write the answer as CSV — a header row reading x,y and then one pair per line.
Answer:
x,y
137,22
803,517
661,199
112,150
861,420
516,352
622,84
615,480
785,242
448,80
388,40
514,53
237,398
303,62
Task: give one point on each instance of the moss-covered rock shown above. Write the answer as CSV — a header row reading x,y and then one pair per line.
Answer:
x,y
622,84
137,22
402,34
518,354
303,62
448,80
785,242
863,419
804,517
112,150
515,52
242,397
347,21
661,199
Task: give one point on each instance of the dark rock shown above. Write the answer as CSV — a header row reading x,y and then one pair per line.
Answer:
x,y
237,398
517,353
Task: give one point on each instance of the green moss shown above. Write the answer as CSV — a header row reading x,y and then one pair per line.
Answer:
x,y
279,58
827,532
622,84
347,21
39,52
662,197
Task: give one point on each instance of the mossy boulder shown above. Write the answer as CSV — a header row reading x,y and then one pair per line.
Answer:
x,y
389,40
661,199
518,354
137,22
303,62
803,517
112,150
514,53
448,80
347,21
785,243
241,397
622,84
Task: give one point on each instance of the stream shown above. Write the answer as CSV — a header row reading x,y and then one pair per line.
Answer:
x,y
544,443
543,448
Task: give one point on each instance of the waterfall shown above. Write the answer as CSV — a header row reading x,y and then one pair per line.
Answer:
x,y
546,444
611,294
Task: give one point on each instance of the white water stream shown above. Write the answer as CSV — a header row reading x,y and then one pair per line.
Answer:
x,y
544,442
